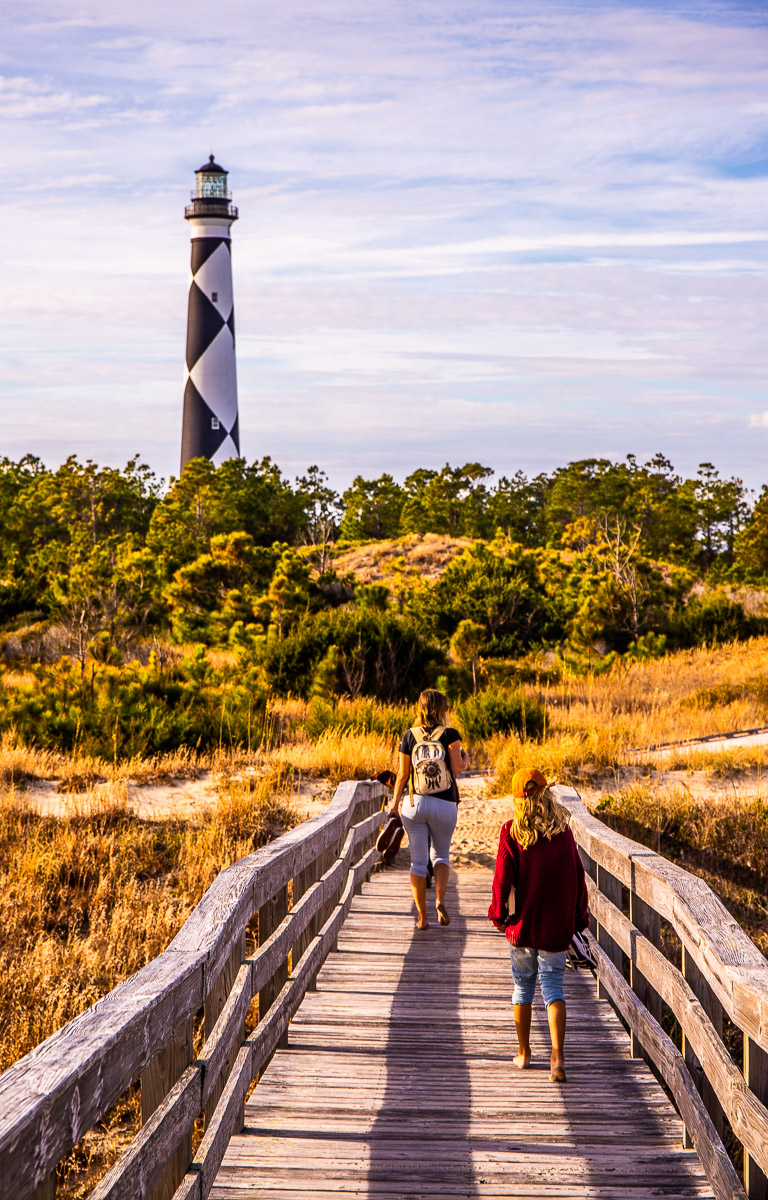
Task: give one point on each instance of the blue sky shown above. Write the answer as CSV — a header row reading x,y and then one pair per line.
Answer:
x,y
514,233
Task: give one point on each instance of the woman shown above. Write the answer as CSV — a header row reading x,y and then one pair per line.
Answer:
x,y
431,755
539,859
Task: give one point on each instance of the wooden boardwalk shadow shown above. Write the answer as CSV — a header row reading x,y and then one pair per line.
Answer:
x,y
398,1079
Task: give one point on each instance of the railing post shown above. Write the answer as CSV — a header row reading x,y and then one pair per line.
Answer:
x,y
756,1076
156,1082
301,884
270,916
649,924
610,887
217,998
714,1010
590,868
45,1190
324,863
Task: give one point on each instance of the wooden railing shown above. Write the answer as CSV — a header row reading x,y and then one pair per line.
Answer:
x,y
723,978
144,1028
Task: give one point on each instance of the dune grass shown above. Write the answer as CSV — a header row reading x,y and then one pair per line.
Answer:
x,y
690,694
88,899
596,723
593,723
722,839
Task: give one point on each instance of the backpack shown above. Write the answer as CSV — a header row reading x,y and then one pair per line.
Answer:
x,y
430,772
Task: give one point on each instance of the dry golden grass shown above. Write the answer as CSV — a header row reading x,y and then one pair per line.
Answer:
x,y
78,773
662,700
421,556
338,755
87,900
593,722
722,839
563,757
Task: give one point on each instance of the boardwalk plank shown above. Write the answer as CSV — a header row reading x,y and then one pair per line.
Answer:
x,y
398,1082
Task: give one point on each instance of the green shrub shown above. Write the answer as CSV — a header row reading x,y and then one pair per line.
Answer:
x,y
711,619
121,712
376,654
491,712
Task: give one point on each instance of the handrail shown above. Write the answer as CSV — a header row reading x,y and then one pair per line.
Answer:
x,y
723,975
730,736
143,1028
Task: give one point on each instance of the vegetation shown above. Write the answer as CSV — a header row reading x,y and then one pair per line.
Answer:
x,y
263,630
90,898
136,620
725,841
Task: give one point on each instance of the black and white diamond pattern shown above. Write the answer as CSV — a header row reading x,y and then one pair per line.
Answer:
x,y
210,428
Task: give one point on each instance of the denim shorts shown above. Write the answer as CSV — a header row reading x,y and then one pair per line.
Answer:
x,y
549,965
426,817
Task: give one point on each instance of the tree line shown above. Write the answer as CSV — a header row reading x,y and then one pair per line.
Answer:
x,y
595,560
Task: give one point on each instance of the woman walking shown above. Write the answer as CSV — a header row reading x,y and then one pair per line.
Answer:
x,y
431,755
538,858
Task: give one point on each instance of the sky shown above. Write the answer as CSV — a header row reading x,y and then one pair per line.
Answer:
x,y
504,232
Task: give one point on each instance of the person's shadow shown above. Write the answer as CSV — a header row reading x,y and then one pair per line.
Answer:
x,y
420,1136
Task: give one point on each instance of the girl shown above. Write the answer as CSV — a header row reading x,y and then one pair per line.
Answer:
x,y
431,755
539,859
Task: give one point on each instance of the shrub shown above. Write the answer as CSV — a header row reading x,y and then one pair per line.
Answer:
x,y
376,654
122,712
355,716
491,712
754,688
712,619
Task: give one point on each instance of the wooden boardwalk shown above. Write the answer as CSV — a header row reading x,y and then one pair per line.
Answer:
x,y
398,1079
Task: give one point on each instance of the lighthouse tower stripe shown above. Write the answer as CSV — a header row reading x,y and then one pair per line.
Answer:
x,y
210,427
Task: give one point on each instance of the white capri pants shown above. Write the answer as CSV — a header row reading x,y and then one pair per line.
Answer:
x,y
425,817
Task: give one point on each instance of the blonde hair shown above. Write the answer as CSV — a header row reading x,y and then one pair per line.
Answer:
x,y
433,707
537,814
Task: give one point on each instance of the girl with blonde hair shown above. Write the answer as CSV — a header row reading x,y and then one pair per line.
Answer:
x,y
539,859
431,756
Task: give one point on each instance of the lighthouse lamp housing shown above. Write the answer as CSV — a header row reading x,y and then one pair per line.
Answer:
x,y
210,197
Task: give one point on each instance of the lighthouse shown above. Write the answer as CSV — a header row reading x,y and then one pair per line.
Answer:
x,y
210,425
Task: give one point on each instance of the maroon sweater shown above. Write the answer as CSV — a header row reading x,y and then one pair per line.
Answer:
x,y
550,892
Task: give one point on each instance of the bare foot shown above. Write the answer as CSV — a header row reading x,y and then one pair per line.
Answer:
x,y
522,1060
557,1069
442,914
422,924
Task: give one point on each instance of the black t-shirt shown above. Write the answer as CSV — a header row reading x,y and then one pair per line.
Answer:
x,y
446,739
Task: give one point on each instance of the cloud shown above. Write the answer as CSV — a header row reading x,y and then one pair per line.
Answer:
x,y
536,220
758,420
23,97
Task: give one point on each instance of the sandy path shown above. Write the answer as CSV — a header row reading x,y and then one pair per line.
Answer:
x,y
714,745
480,815
181,798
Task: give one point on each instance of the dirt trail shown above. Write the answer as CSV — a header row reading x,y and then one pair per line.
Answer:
x,y
181,798
714,745
480,815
